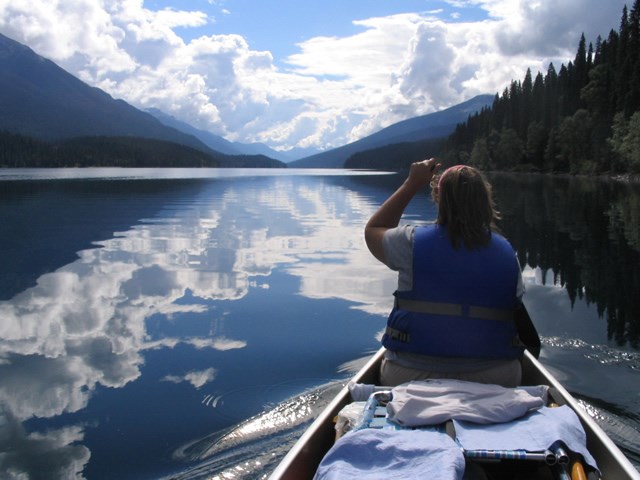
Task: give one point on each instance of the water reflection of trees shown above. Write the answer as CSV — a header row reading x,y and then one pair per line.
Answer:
x,y
587,232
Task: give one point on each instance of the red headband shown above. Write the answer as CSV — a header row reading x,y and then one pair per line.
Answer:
x,y
455,168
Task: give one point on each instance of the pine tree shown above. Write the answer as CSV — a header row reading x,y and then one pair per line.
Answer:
x,y
551,97
632,63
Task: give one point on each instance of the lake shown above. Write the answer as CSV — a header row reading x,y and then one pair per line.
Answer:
x,y
189,323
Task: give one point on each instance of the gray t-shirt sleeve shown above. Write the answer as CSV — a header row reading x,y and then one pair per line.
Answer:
x,y
398,251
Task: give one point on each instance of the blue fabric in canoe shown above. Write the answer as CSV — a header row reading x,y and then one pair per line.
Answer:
x,y
535,432
392,454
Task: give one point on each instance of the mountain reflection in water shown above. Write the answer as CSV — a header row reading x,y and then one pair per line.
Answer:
x,y
157,327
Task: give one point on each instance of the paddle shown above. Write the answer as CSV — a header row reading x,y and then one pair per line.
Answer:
x,y
527,330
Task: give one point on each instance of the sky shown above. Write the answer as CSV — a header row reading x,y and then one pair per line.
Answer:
x,y
307,74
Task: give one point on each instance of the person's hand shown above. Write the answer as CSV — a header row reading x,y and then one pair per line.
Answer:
x,y
389,213
422,172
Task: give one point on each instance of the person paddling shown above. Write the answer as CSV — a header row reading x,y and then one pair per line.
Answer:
x,y
459,282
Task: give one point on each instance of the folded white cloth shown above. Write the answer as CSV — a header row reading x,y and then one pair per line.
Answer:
x,y
431,402
392,454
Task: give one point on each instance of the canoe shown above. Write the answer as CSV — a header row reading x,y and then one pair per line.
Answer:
x,y
302,460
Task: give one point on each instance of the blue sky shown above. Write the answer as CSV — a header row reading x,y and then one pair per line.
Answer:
x,y
303,74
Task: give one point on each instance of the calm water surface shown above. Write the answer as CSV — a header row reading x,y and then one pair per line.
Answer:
x,y
189,323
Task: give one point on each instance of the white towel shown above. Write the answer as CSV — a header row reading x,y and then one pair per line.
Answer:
x,y
431,402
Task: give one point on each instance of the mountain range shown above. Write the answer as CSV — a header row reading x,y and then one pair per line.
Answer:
x,y
426,127
39,99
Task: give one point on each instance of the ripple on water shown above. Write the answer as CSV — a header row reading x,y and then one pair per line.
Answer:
x,y
620,422
603,354
254,447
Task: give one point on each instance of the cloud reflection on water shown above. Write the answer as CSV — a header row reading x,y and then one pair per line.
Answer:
x,y
86,323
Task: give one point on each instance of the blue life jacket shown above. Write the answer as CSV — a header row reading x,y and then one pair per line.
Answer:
x,y
462,302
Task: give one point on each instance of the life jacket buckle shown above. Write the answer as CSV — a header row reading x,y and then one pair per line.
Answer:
x,y
397,335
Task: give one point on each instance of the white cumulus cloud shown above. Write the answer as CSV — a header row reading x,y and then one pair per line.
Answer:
x,y
196,378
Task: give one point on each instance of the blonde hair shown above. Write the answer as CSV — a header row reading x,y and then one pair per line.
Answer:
x,y
465,206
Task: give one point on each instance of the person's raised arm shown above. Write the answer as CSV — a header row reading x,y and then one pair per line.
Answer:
x,y
389,213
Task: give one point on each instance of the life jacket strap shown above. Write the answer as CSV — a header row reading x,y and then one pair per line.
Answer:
x,y
455,309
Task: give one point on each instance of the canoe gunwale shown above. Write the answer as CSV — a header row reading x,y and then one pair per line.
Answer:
x,y
304,457
611,461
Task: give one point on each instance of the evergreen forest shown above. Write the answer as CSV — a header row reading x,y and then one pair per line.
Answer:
x,y
581,119
19,151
